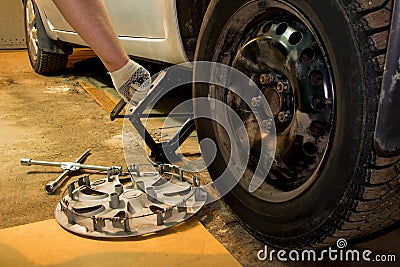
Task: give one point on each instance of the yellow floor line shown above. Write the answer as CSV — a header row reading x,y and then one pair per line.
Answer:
x,y
101,97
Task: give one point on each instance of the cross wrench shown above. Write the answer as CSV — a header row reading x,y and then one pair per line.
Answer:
x,y
68,167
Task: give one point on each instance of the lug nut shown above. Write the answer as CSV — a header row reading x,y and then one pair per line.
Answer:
x,y
283,116
282,87
266,78
279,87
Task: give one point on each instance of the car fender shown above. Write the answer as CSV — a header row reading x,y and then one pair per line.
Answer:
x,y
45,35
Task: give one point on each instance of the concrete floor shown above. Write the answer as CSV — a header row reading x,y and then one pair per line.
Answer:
x,y
53,118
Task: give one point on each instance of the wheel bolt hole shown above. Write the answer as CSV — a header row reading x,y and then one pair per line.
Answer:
x,y
295,38
281,29
310,149
316,78
266,27
307,55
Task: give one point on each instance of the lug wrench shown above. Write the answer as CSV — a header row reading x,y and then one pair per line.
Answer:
x,y
68,167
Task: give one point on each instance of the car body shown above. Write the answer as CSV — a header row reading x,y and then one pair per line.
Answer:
x,y
152,32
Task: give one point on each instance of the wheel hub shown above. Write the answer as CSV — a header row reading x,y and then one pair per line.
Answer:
x,y
286,60
280,99
274,99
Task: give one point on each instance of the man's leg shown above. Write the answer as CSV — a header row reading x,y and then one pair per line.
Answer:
x,y
91,21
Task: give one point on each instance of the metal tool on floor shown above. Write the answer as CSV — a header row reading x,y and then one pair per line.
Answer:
x,y
136,202
124,204
161,152
69,167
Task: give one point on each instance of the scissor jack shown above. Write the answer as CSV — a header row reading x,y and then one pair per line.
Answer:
x,y
164,151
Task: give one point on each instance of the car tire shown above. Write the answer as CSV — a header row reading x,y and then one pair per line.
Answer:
x,y
46,56
353,192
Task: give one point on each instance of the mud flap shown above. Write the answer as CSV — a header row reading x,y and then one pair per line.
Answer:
x,y
387,131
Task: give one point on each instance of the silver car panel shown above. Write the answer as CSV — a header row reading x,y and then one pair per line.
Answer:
x,y
147,29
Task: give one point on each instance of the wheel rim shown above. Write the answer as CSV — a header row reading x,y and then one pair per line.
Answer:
x,y
285,58
31,30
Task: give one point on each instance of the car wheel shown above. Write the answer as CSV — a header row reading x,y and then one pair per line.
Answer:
x,y
319,66
46,56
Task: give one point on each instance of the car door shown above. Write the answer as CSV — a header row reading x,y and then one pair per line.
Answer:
x,y
131,18
138,18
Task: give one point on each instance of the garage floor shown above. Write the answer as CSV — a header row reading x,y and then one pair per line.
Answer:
x,y
54,118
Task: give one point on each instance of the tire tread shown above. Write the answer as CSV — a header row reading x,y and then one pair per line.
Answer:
x,y
48,63
377,206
